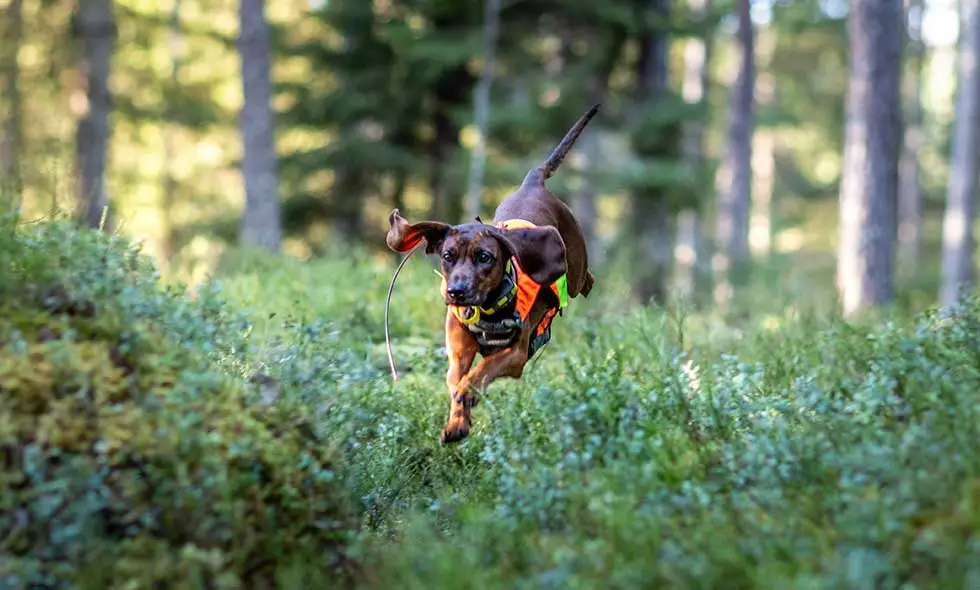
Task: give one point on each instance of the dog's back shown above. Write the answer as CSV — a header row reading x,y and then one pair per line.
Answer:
x,y
535,203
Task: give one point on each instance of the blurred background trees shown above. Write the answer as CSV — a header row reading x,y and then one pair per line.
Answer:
x,y
297,125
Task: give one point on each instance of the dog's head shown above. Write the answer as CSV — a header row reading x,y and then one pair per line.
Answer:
x,y
474,255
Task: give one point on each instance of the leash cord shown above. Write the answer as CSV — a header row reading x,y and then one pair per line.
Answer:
x,y
391,288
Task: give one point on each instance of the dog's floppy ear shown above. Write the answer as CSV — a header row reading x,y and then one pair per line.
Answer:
x,y
403,236
539,250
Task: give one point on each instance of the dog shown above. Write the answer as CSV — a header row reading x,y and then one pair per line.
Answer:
x,y
503,283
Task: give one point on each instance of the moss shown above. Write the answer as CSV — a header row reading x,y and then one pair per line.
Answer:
x,y
130,455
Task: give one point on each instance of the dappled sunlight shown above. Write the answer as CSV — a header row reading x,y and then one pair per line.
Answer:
x,y
196,262
790,240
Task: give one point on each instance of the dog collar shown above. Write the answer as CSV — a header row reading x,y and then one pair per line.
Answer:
x,y
471,314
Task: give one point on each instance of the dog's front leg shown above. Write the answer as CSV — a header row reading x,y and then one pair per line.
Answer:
x,y
462,349
506,363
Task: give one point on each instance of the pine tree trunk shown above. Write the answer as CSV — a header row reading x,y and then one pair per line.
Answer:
x,y
735,177
958,243
872,137
481,109
690,255
10,125
97,31
650,222
261,219
910,196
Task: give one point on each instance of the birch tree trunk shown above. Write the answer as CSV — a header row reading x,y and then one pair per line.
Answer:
x,y
735,178
872,138
261,219
958,243
481,109
97,30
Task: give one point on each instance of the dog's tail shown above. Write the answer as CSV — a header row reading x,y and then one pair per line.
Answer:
x,y
547,169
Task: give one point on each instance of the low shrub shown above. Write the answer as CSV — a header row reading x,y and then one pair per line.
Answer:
x,y
133,453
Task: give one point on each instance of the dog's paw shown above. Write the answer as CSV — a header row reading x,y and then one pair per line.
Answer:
x,y
454,432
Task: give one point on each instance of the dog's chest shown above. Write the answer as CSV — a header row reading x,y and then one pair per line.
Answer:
x,y
493,333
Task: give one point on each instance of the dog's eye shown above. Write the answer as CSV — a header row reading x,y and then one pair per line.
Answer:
x,y
448,255
484,257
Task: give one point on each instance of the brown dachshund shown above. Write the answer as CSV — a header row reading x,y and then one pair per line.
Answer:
x,y
504,283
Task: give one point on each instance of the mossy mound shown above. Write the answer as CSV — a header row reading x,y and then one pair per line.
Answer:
x,y
130,454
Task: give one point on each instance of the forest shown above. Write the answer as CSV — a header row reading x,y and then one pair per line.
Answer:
x,y
768,385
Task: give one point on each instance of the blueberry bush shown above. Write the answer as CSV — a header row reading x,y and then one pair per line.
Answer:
x,y
249,434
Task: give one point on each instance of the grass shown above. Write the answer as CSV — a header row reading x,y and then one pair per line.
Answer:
x,y
773,446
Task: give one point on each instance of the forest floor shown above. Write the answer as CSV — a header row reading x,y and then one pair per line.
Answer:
x,y
769,445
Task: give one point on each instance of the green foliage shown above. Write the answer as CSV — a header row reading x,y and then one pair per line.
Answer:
x,y
132,453
644,448
768,449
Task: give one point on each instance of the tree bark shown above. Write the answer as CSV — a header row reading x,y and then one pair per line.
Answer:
x,y
735,179
11,130
97,29
958,243
872,138
650,222
481,109
910,197
261,225
690,255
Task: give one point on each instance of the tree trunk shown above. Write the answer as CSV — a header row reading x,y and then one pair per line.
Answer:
x,y
690,256
11,130
910,197
169,139
97,30
481,109
735,178
261,219
958,246
872,138
650,222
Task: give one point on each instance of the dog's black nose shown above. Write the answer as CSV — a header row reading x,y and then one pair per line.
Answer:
x,y
455,293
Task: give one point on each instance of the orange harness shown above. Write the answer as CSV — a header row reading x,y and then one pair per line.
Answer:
x,y
528,289
495,333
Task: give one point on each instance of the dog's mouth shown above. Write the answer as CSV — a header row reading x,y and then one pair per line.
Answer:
x,y
465,301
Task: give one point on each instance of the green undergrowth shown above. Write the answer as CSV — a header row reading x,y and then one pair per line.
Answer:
x,y
133,451
769,447
766,446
